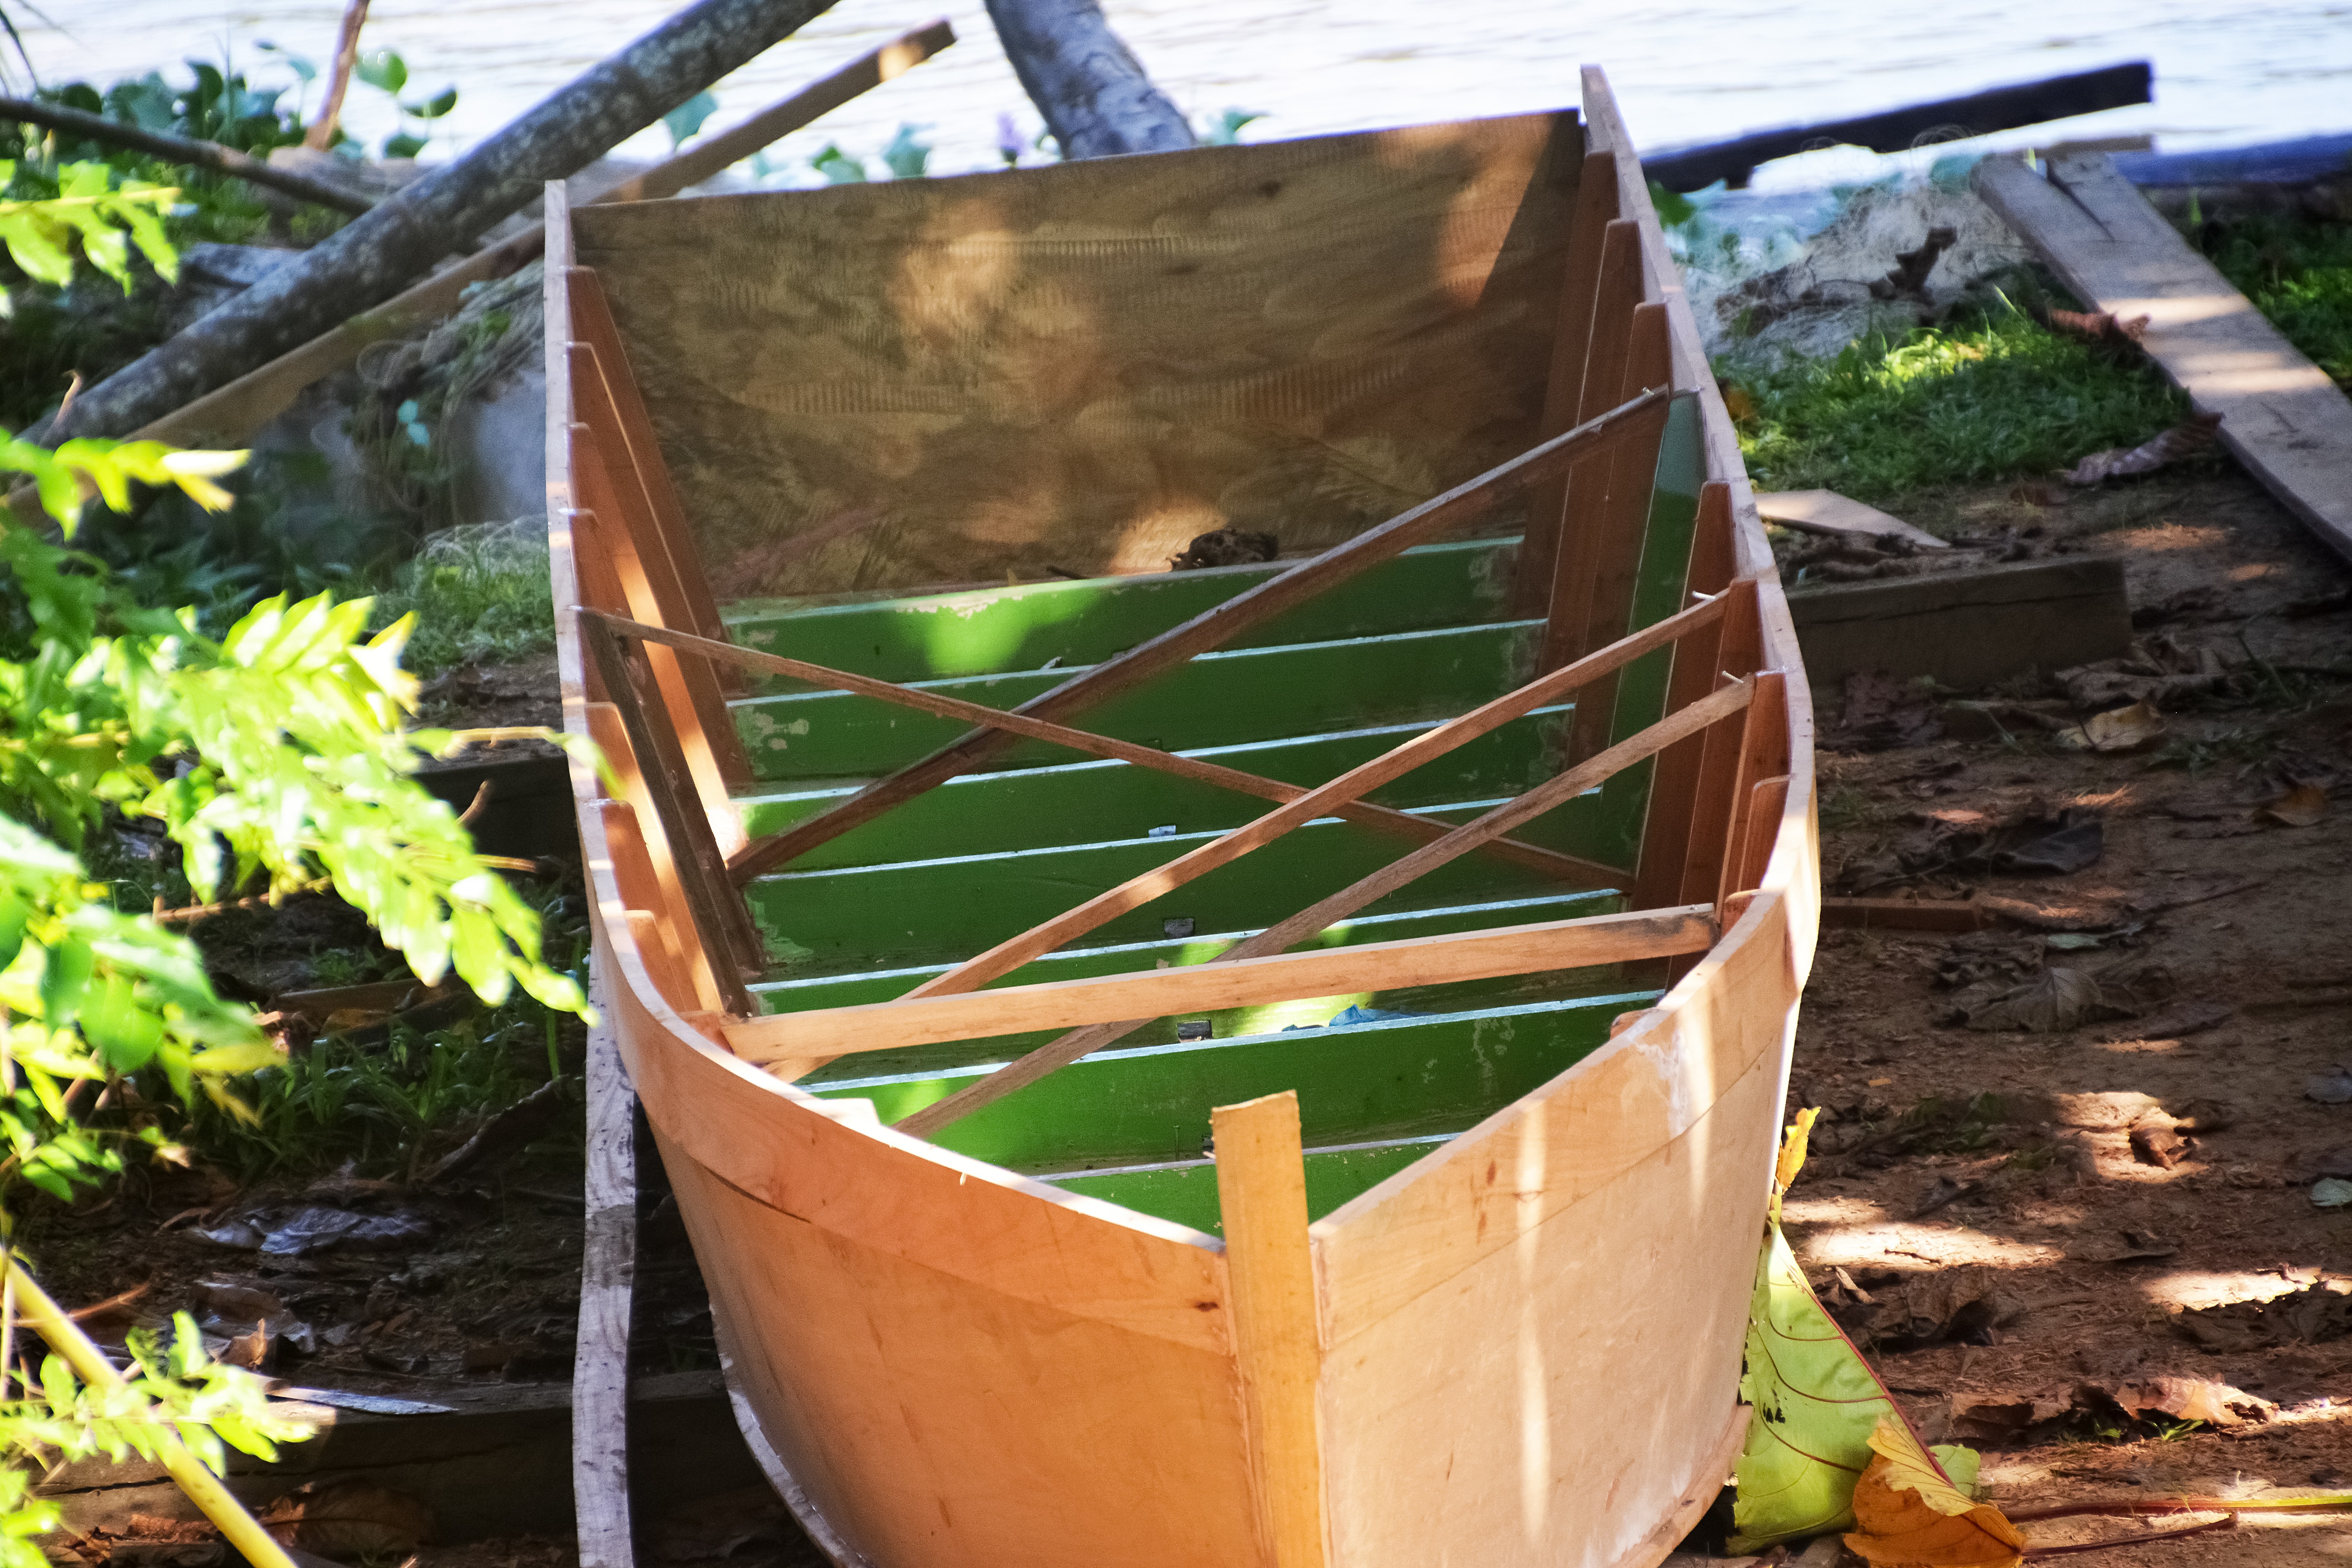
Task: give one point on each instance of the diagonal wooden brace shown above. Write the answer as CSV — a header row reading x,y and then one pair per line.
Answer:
x,y
1638,418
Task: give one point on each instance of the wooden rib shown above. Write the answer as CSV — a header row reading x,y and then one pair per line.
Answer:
x,y
658,521
608,1253
606,396
1205,987
1137,891
1620,528
227,415
1270,1294
685,692
647,874
1617,294
1766,802
1568,868
717,912
1054,1054
1572,344
1763,752
1738,653
1464,503
1673,787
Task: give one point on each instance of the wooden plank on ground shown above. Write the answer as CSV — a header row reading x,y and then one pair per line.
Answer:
x,y
608,1267
1969,628
2282,417
1826,511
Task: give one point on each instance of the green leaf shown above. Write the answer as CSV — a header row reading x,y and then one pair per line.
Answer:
x,y
64,977
1817,1402
442,103
403,145
688,118
36,244
125,1033
383,70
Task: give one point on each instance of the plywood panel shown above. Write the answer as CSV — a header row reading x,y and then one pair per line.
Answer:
x,y
939,1426
1591,1365
1416,1232
1083,366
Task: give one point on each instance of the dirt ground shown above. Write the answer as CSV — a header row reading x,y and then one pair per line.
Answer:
x,y
2033,1226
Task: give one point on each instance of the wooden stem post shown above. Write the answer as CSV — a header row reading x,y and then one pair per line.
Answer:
x,y
1270,1296
600,1376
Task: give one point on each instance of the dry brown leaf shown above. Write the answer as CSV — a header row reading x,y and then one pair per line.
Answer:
x,y
2099,324
2118,730
1912,1516
2305,805
2188,1399
2193,435
351,1517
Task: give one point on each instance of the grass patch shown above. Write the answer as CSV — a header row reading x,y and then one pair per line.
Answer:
x,y
480,593
1977,400
2298,272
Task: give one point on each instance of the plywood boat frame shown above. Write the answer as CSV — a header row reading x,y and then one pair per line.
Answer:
x,y
1277,1350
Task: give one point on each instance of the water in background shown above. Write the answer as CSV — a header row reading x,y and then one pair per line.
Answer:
x,y
2228,71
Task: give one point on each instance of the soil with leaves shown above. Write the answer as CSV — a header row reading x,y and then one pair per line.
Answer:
x,y
2079,1188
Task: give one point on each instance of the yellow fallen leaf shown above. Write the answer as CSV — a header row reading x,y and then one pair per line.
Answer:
x,y
1912,1516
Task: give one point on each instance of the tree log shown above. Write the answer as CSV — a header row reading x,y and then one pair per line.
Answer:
x,y
368,262
210,155
1093,93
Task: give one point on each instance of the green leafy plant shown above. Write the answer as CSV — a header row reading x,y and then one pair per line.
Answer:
x,y
387,72
273,756
88,207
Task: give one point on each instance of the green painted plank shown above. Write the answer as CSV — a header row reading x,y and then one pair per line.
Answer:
x,y
1394,1077
1185,1191
1030,808
874,916
1218,698
1549,986
804,995
984,631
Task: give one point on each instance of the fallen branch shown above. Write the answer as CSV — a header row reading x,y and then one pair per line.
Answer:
x,y
210,155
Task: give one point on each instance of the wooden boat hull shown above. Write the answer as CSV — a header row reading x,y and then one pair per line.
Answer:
x,y
1522,1348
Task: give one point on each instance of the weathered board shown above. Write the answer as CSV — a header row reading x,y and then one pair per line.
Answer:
x,y
1967,629
2281,414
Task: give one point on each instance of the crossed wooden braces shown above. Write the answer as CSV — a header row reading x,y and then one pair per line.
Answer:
x,y
1257,969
